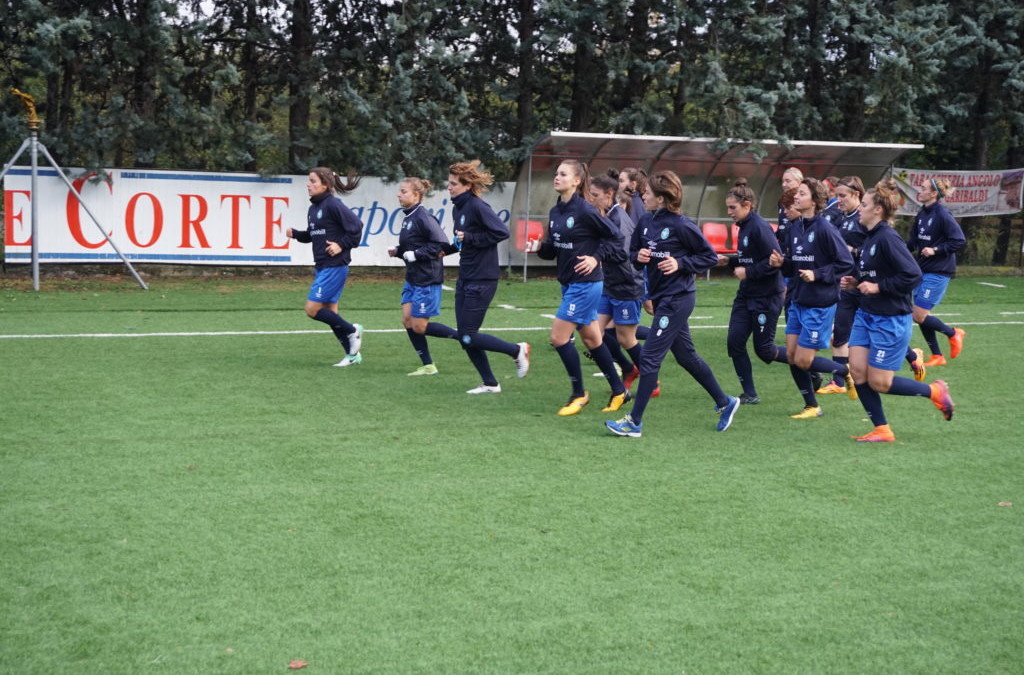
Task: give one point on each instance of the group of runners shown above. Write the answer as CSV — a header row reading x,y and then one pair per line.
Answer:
x,y
621,245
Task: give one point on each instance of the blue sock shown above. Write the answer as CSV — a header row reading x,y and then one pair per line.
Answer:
x,y
571,359
648,383
936,324
604,361
439,330
478,358
642,332
929,337
493,344
872,402
634,354
419,343
904,386
843,361
611,341
339,326
822,365
803,383
910,356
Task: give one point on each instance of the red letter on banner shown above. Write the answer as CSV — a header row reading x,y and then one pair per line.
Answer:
x,y
10,216
158,219
74,222
187,223
235,200
274,222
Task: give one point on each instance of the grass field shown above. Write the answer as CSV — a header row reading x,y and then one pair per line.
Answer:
x,y
189,487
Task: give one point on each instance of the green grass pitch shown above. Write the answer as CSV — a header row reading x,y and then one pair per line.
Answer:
x,y
188,486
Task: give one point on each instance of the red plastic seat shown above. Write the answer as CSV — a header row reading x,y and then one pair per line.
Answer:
x,y
717,235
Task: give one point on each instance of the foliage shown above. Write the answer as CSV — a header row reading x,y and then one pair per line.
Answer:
x,y
398,88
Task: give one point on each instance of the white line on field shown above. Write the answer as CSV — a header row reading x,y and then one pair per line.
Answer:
x,y
985,283
243,333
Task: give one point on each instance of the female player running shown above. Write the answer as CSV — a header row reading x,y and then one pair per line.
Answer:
x,y
849,191
817,260
618,313
478,231
672,249
886,277
334,231
580,238
420,244
935,237
755,311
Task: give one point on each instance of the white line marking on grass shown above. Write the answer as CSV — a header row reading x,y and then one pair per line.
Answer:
x,y
549,316
244,333
231,333
518,309
985,283
1010,313
446,288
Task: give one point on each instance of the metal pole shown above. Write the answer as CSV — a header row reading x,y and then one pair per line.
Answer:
x,y
85,206
34,142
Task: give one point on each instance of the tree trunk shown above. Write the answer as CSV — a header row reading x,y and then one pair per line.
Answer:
x,y
300,82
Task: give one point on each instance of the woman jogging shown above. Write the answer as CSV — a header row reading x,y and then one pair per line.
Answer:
x,y
478,231
935,237
886,277
420,244
580,238
334,231
672,249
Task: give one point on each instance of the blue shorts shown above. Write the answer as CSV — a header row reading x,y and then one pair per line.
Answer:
x,y
425,300
812,324
327,285
622,312
886,338
930,291
579,302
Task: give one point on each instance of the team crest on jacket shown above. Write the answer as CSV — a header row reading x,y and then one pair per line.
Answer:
x,y
570,222
810,238
665,233
462,219
872,251
745,240
320,214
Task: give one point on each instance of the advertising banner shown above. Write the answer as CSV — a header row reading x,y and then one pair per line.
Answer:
x,y
194,218
977,193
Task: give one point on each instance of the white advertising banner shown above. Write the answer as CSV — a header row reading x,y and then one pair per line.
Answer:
x,y
977,193
195,218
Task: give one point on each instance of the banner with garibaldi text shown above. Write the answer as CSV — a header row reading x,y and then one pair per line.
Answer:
x,y
976,193
197,218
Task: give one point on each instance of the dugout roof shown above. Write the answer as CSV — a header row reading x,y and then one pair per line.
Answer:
x,y
708,167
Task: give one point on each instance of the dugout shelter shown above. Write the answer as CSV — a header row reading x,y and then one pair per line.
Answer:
x,y
708,167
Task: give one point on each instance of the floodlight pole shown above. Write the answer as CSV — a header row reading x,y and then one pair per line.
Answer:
x,y
35,146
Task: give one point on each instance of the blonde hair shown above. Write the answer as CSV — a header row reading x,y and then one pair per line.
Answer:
x,y
942,186
886,195
420,186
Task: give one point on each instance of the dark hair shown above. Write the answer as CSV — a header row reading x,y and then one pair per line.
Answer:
x,y
819,195
638,176
831,182
471,175
742,193
605,183
613,173
886,194
852,183
420,186
333,180
581,170
667,184
787,198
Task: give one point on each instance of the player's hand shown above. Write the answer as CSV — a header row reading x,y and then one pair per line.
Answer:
x,y
868,288
668,265
740,273
643,255
927,251
848,283
807,276
333,248
586,264
288,233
